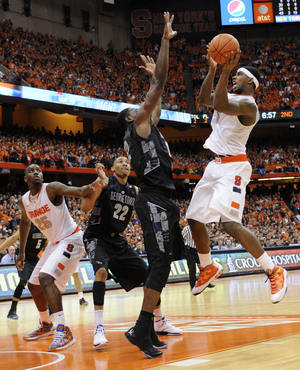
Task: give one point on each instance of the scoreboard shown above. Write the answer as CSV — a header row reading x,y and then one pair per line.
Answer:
x,y
286,11
265,116
242,12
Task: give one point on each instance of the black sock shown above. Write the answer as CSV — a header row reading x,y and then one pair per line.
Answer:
x,y
18,291
14,305
153,335
144,321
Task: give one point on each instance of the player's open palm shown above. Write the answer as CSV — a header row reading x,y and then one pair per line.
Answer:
x,y
148,65
168,32
100,171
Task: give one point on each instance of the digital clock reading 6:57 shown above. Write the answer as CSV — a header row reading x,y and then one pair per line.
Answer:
x,y
280,115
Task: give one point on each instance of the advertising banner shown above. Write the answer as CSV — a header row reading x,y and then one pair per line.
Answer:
x,y
232,262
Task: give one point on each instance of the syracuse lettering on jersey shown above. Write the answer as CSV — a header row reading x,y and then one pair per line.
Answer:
x,y
39,212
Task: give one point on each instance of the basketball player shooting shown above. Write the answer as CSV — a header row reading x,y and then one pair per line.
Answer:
x,y
220,194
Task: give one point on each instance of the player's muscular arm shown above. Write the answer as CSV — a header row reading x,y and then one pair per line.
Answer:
x,y
244,109
56,190
99,184
220,98
24,231
205,95
9,241
158,79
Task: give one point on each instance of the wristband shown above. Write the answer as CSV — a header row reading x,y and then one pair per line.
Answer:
x,y
96,185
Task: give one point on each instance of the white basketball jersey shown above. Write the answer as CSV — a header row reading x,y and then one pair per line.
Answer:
x,y
228,135
55,222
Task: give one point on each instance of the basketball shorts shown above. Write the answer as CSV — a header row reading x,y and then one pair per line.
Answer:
x,y
220,194
115,255
60,260
159,216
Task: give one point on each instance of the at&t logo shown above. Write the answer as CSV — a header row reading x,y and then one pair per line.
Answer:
x,y
236,9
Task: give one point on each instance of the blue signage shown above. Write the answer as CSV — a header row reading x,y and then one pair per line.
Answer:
x,y
55,97
236,12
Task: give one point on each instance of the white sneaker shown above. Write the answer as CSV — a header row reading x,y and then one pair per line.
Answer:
x,y
163,327
99,336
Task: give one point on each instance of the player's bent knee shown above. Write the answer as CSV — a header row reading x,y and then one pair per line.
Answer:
x,y
101,275
158,277
45,279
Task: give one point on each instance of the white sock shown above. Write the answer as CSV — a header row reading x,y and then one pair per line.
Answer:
x,y
59,318
80,295
44,316
98,317
265,261
205,259
158,313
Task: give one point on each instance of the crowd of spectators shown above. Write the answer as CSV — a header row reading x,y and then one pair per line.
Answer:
x,y
269,154
85,69
278,63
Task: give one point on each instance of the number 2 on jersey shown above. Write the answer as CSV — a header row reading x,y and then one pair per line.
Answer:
x,y
118,210
42,223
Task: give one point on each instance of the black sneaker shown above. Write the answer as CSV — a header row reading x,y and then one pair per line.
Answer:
x,y
146,347
157,344
83,302
12,314
210,285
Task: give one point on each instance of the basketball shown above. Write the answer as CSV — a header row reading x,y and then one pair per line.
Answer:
x,y
221,46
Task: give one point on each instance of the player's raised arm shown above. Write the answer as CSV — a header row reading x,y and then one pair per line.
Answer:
x,y
101,182
158,80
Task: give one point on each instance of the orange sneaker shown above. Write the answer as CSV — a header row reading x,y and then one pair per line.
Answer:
x,y
64,339
207,275
277,277
43,330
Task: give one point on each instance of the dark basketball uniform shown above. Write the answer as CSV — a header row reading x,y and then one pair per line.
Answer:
x,y
35,243
159,215
105,245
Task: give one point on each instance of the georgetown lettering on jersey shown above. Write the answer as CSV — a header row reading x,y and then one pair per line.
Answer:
x,y
38,236
123,198
188,237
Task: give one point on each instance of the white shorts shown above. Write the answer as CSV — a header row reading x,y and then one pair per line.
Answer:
x,y
60,260
220,194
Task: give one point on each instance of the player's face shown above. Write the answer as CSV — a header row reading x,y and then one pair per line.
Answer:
x,y
122,167
132,113
239,81
34,175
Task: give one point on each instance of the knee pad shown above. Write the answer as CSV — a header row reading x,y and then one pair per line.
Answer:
x,y
158,277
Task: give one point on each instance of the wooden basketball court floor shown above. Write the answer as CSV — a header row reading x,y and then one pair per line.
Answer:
x,y
231,326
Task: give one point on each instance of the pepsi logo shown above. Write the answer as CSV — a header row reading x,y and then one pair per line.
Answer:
x,y
236,8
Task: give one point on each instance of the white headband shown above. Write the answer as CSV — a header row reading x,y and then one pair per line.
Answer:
x,y
250,75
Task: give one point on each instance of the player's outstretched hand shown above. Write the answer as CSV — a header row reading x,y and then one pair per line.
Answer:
x,y
100,171
148,65
168,32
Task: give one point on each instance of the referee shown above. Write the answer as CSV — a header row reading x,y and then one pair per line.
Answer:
x,y
191,255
